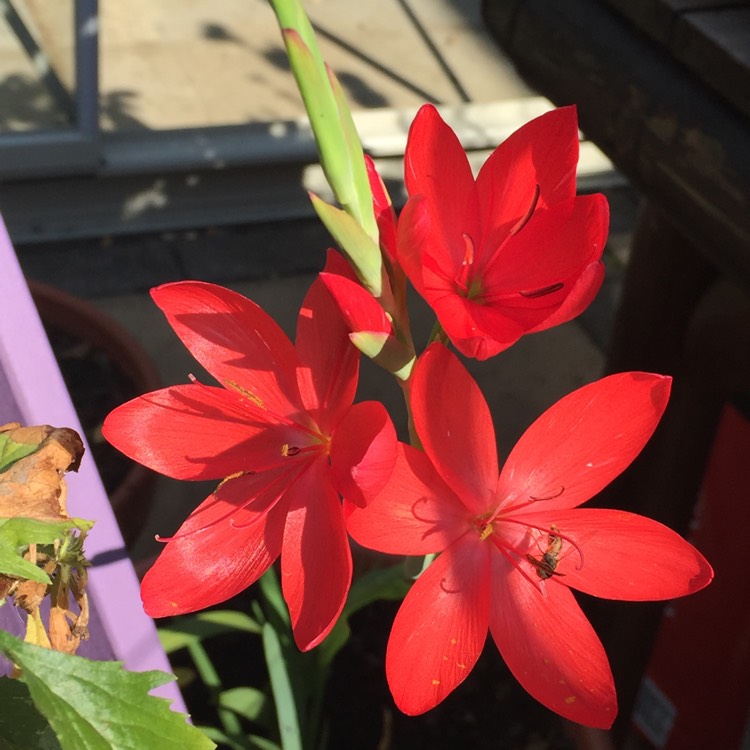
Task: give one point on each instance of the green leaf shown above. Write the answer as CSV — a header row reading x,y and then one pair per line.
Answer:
x,y
96,705
384,584
360,248
21,725
281,686
247,702
182,632
16,534
271,590
11,451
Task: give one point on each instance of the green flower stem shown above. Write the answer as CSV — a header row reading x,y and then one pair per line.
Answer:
x,y
339,146
413,437
437,334
211,679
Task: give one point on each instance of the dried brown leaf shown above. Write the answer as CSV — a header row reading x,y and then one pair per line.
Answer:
x,y
33,487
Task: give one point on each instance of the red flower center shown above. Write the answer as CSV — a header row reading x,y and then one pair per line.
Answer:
x,y
466,282
528,547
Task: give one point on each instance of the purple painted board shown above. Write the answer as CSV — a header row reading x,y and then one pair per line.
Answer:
x,y
32,391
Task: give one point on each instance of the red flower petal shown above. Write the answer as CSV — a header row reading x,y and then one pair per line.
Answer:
x,y
384,213
416,237
543,153
436,167
440,629
416,513
581,295
329,363
476,330
316,564
626,556
220,550
363,451
551,648
555,246
196,432
455,426
579,445
358,307
235,340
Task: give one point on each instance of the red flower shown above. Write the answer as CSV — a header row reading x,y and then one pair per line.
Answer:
x,y
512,547
285,439
512,252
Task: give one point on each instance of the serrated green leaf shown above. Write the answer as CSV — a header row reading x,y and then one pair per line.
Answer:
x,y
18,533
359,247
21,726
181,632
97,705
11,451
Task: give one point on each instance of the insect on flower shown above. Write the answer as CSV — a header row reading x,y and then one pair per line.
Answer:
x,y
501,532
546,567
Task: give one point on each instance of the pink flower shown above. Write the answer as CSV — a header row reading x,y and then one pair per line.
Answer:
x,y
512,252
281,435
514,543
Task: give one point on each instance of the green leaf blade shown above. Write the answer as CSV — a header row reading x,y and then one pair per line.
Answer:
x,y
281,686
182,632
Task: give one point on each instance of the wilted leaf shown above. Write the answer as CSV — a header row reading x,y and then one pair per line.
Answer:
x,y
41,548
33,486
11,447
94,705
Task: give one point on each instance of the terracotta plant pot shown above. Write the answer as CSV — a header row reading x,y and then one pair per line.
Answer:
x,y
103,365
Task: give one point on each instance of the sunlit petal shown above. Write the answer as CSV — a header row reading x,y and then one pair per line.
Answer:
x,y
550,647
223,547
363,451
579,445
626,556
329,363
416,513
196,432
235,340
455,426
440,629
316,564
